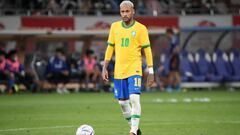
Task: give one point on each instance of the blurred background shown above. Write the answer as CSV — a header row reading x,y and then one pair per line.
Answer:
x,y
60,44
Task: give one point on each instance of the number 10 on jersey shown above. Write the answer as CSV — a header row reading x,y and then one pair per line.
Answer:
x,y
137,82
125,42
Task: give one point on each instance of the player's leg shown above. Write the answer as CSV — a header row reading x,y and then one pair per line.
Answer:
x,y
135,113
11,83
4,80
126,110
57,80
134,86
64,81
170,81
177,81
121,93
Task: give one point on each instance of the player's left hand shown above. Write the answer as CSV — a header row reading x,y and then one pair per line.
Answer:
x,y
105,74
150,80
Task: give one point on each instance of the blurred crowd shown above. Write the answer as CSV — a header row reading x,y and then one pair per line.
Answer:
x,y
53,74
106,7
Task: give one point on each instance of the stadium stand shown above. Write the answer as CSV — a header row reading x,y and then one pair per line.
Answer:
x,y
196,72
213,71
109,7
221,66
186,68
204,66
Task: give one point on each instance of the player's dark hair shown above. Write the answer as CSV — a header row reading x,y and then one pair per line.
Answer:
x,y
60,50
89,52
169,30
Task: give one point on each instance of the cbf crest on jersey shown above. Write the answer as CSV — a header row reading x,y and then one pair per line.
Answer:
x,y
134,33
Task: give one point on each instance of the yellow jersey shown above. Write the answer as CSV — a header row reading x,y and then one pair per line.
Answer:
x,y
127,43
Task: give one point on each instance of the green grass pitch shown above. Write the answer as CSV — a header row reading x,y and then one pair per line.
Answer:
x,y
189,113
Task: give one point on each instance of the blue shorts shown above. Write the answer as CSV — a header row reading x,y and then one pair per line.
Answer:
x,y
124,87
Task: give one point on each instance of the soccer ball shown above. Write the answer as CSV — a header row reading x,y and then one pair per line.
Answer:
x,y
85,130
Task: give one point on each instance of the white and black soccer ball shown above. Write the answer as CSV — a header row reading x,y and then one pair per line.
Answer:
x,y
85,130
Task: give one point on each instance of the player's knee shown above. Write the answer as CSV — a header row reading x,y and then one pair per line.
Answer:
x,y
123,102
135,99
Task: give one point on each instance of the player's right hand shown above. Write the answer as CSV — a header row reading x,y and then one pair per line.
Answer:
x,y
150,80
105,74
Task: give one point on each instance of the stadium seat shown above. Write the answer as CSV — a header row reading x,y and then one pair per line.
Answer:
x,y
204,67
222,66
186,70
235,63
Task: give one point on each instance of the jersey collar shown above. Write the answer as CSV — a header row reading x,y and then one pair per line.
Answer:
x,y
124,26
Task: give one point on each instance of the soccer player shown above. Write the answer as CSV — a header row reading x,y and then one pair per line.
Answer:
x,y
127,37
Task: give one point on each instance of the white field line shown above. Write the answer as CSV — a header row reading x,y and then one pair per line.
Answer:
x,y
36,128
227,122
185,100
161,123
197,122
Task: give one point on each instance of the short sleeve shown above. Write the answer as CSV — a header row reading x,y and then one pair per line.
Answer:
x,y
143,38
111,40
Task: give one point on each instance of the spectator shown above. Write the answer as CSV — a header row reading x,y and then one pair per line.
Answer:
x,y
221,7
111,6
77,71
140,7
69,5
174,7
164,6
174,41
153,7
53,7
193,7
174,49
98,7
57,71
17,73
89,66
96,74
207,6
4,70
30,80
84,6
161,76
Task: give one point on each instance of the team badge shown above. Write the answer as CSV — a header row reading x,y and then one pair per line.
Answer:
x,y
134,33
